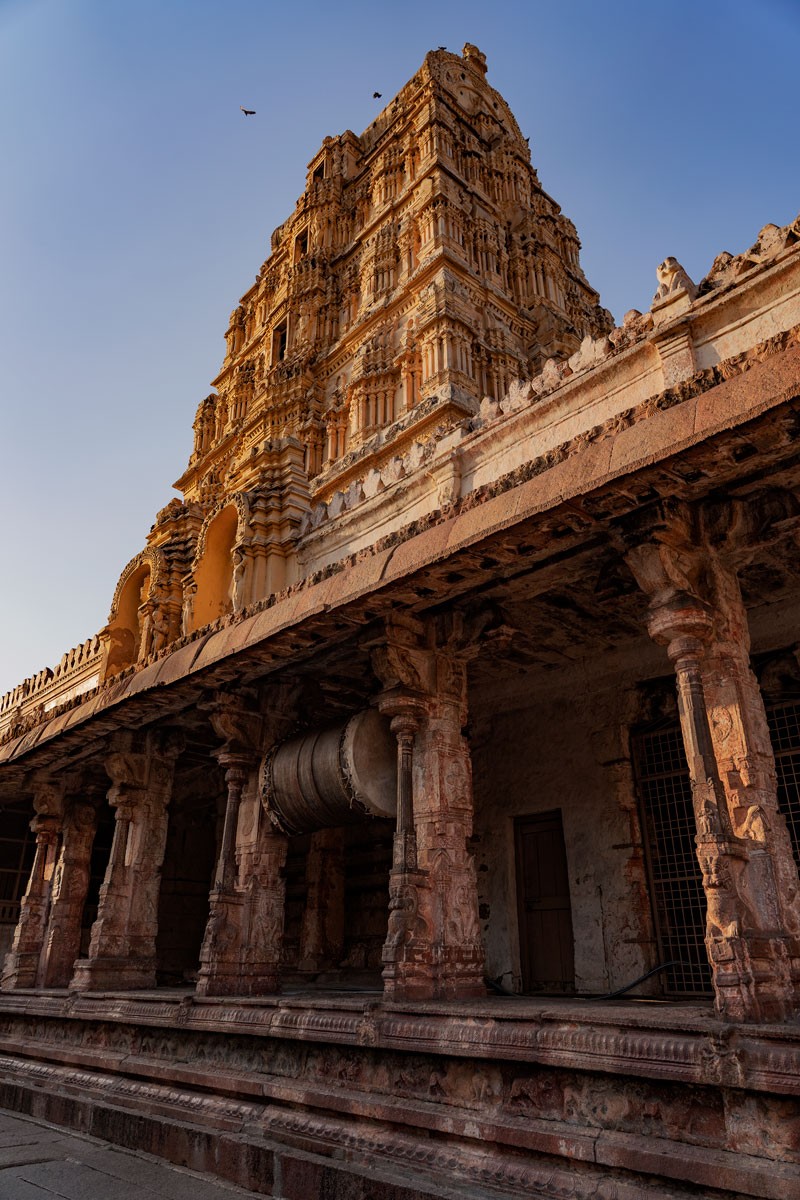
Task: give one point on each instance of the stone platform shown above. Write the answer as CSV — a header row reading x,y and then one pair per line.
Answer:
x,y
347,1095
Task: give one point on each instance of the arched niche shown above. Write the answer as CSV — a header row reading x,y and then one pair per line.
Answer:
x,y
123,633
138,611
213,572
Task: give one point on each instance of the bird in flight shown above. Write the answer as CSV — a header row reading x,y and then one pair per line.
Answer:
x,y
377,95
248,112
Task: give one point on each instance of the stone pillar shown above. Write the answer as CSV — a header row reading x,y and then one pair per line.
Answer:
x,y
70,885
21,967
408,950
242,947
122,948
749,876
220,954
262,879
322,930
433,946
743,751
235,779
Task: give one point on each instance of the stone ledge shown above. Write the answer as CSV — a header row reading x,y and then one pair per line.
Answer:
x,y
683,1043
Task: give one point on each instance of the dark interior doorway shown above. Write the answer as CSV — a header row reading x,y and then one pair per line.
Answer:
x,y
198,802
545,913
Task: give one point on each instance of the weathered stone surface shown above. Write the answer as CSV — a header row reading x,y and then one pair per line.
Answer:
x,y
434,483
509,1099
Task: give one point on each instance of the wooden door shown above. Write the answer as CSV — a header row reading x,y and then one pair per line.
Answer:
x,y
545,913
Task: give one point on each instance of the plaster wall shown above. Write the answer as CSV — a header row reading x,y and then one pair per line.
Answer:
x,y
564,749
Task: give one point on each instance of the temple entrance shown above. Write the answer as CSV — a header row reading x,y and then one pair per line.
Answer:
x,y
545,910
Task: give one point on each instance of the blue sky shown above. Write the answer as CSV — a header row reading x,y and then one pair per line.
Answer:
x,y
137,202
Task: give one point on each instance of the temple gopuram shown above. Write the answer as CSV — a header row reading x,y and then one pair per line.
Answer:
x,y
424,822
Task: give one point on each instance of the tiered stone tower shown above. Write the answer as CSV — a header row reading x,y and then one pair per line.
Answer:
x,y
422,269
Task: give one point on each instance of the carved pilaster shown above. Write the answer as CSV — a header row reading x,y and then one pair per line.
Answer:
x,y
242,947
221,951
70,886
21,967
122,948
433,946
749,876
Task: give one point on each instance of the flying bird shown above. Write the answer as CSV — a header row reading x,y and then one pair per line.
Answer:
x,y
377,95
248,112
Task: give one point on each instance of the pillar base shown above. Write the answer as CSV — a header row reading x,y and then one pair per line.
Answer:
x,y
410,981
233,981
58,974
20,970
756,979
113,974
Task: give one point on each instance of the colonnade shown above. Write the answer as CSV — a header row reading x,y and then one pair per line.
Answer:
x,y
433,945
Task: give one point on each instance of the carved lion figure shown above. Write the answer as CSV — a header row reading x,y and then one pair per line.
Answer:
x,y
672,278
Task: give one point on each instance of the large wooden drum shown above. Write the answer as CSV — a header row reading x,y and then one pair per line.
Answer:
x,y
334,777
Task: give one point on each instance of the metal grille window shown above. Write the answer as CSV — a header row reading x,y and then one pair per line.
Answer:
x,y
17,846
784,728
676,883
675,880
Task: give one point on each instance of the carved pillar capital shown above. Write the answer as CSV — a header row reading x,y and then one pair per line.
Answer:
x,y
141,766
682,623
47,828
403,658
48,798
404,726
237,723
406,709
236,771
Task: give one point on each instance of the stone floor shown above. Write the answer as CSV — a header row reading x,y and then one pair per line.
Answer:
x,y
42,1162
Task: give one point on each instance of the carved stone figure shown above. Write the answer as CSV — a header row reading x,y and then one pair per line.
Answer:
x,y
672,278
238,584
